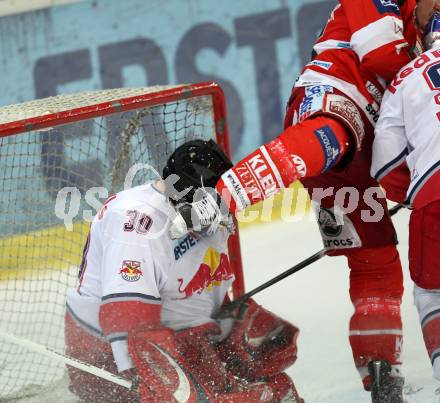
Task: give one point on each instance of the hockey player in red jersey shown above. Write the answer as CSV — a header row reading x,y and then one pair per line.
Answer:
x,y
144,303
407,137
326,144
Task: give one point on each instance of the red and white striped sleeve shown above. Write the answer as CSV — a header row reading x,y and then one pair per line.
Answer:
x,y
377,34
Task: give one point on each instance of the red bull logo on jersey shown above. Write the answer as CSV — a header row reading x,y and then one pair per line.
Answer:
x,y
214,269
131,270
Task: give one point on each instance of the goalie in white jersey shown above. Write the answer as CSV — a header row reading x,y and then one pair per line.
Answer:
x,y
406,160
144,302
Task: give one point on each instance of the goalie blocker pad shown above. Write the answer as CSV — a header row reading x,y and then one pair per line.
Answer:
x,y
184,366
260,345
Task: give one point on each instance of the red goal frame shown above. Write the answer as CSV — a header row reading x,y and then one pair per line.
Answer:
x,y
209,88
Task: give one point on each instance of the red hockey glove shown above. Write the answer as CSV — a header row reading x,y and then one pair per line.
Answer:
x,y
260,344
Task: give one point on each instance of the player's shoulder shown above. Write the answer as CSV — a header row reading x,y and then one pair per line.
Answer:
x,y
424,67
140,201
139,198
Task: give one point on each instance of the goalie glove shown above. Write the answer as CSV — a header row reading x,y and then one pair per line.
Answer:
x,y
260,344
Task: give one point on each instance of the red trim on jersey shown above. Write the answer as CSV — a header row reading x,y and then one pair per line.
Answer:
x,y
431,335
126,315
83,266
429,192
396,183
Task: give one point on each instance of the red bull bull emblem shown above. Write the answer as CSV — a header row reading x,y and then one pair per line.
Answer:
x,y
214,269
131,270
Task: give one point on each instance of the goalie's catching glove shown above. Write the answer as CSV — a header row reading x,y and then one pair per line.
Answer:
x,y
260,344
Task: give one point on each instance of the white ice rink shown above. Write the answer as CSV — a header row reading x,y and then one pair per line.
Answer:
x,y
317,301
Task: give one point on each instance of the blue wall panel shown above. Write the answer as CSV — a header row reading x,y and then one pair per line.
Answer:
x,y
255,49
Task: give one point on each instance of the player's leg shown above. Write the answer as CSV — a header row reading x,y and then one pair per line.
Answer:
x,y
84,346
376,281
376,288
424,243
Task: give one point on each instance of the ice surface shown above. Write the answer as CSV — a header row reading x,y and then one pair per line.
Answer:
x,y
317,301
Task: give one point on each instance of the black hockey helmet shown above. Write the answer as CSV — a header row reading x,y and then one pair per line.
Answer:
x,y
197,163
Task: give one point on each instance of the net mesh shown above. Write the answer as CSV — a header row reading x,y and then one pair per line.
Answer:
x,y
39,257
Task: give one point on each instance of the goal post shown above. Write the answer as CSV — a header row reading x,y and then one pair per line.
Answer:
x,y
59,158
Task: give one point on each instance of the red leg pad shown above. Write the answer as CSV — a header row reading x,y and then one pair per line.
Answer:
x,y
90,349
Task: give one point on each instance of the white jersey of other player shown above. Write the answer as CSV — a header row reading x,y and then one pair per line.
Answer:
x,y
409,125
129,257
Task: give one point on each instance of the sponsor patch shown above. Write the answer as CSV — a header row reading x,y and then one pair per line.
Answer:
x,y
337,231
318,89
236,188
387,6
313,100
374,92
184,245
328,223
131,270
323,65
300,165
329,145
346,109
344,45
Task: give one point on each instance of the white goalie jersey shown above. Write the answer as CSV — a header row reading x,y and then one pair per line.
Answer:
x,y
130,263
408,129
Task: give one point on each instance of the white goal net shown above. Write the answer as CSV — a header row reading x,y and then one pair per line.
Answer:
x,y
86,141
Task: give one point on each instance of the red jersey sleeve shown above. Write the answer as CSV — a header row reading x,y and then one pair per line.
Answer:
x,y
377,34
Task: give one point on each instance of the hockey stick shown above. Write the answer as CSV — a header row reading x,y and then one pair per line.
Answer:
x,y
227,310
39,348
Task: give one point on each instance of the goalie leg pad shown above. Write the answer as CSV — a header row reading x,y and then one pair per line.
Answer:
x,y
200,354
260,344
162,371
85,347
284,389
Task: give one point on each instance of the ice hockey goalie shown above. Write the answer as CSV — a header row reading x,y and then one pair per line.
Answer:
x,y
144,303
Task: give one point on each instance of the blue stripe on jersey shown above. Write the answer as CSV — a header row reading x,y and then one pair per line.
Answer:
x,y
127,296
422,181
90,328
387,6
391,165
430,316
120,336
